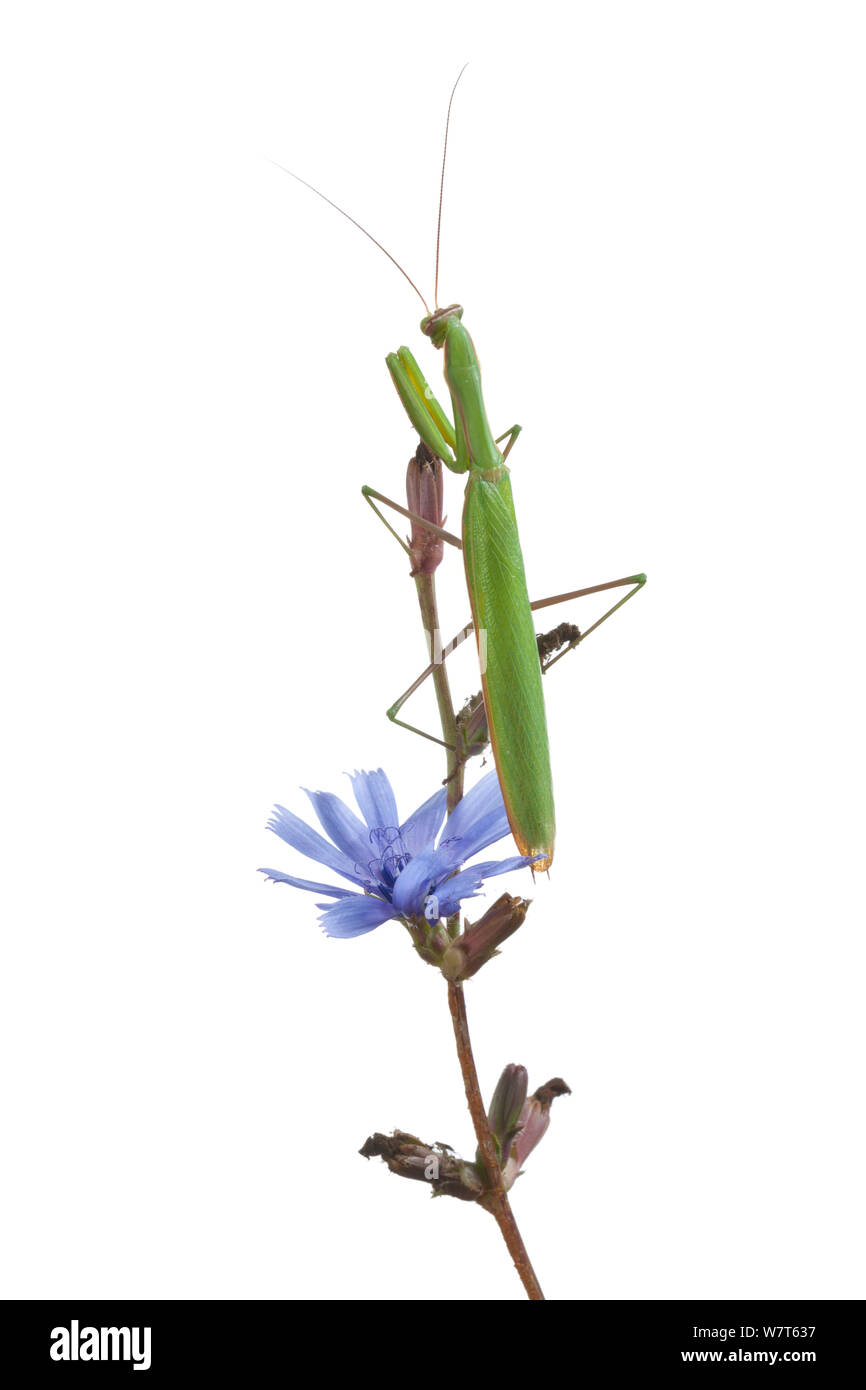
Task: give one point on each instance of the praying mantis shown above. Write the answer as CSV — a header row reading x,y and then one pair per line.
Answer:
x,y
495,577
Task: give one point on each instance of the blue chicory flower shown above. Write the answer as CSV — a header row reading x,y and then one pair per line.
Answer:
x,y
399,867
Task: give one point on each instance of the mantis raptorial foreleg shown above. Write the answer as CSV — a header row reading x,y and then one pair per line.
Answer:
x,y
552,646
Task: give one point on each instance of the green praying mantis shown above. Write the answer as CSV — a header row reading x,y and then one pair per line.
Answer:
x,y
495,578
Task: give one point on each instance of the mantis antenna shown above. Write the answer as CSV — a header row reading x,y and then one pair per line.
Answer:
x,y
369,235
442,184
349,218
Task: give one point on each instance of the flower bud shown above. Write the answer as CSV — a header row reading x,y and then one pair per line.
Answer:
x,y
425,497
506,1107
479,942
532,1127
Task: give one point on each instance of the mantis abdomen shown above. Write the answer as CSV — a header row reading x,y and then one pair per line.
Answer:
x,y
510,670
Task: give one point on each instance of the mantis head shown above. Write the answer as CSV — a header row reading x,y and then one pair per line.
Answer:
x,y
436,325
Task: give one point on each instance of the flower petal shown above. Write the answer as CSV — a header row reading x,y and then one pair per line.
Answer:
x,y
354,916
467,883
419,831
448,899
274,876
300,836
375,796
410,891
344,828
477,821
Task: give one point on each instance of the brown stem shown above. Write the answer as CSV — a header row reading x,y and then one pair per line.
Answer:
x,y
425,585
496,1198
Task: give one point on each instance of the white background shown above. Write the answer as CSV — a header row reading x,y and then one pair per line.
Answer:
x,y
655,221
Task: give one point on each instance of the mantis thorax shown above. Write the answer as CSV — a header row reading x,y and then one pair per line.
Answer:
x,y
475,446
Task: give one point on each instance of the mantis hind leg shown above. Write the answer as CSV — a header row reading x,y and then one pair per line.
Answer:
x,y
552,647
471,734
636,581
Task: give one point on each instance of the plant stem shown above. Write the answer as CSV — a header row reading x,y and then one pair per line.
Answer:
x,y
496,1198
425,585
